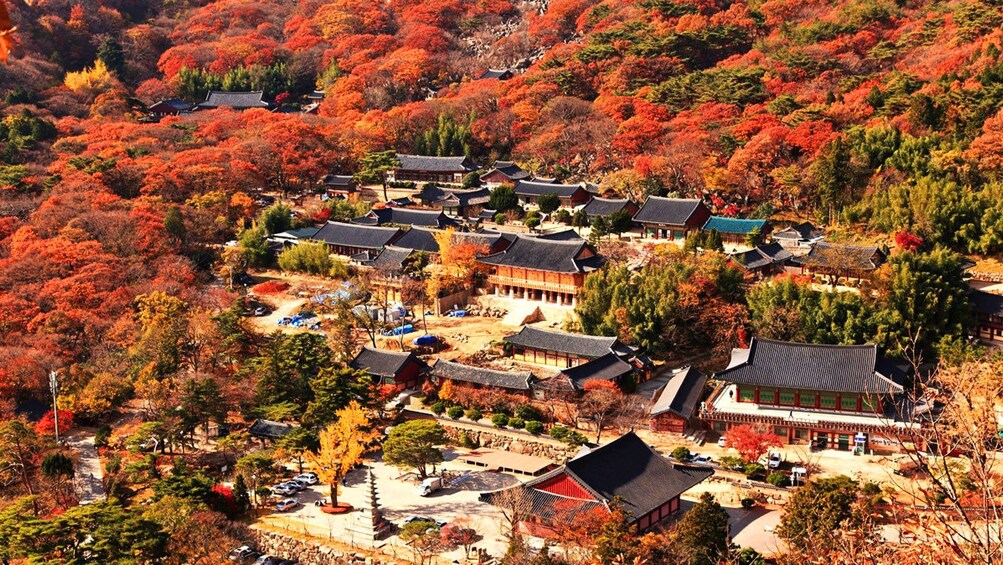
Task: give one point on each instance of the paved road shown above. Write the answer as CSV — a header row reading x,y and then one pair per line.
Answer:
x,y
88,474
755,528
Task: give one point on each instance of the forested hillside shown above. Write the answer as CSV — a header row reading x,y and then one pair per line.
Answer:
x,y
870,113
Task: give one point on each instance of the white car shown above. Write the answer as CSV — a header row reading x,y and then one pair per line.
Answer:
x,y
722,441
774,461
283,490
308,478
287,504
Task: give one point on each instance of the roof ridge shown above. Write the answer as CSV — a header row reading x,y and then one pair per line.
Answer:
x,y
819,345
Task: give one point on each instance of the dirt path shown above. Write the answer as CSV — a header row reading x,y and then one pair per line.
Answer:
x,y
88,475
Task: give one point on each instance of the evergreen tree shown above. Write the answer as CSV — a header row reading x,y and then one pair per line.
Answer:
x,y
110,52
701,536
241,496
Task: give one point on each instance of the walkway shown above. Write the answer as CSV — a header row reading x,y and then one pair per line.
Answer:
x,y
88,475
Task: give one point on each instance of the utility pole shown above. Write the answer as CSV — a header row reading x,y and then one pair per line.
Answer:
x,y
54,387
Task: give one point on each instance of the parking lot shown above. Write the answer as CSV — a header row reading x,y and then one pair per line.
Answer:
x,y
397,492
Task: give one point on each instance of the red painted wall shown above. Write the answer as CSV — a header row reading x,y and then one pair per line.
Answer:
x,y
564,485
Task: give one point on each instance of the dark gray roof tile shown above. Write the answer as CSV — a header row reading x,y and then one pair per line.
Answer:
x,y
809,366
534,188
481,376
354,235
574,256
667,211
382,363
238,100
437,164
681,394
605,206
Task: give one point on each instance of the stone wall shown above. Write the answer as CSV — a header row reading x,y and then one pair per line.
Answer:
x,y
516,442
309,552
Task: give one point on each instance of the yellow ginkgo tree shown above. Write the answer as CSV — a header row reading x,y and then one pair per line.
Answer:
x,y
342,445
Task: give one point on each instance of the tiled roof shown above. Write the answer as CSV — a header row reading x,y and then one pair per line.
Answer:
x,y
580,345
422,239
406,217
240,100
667,211
808,366
803,231
548,255
338,180
605,206
487,214
382,363
629,469
474,197
736,226
437,164
838,256
761,256
986,303
354,235
269,429
609,367
481,376
681,394
392,258
509,169
535,188
495,73
175,104
558,235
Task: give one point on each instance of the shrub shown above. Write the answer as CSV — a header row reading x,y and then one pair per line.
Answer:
x,y
438,408
464,440
339,269
754,470
528,412
681,453
874,489
576,439
562,216
307,257
270,287
732,462
455,412
101,436
777,479
748,503
500,218
534,427
499,420
516,422
473,414
559,432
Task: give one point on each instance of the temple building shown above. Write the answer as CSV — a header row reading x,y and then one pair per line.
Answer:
x,y
830,396
546,270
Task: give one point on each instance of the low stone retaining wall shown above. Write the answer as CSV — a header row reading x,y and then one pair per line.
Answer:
x,y
528,445
310,553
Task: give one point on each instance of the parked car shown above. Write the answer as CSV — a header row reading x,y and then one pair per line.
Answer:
x,y
287,504
295,485
722,441
283,490
261,311
299,484
243,554
272,560
774,461
702,459
411,519
308,478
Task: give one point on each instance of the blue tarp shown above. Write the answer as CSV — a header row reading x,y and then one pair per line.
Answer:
x,y
425,340
401,330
